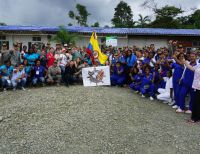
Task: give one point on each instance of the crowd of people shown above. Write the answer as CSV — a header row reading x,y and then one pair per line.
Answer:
x,y
163,74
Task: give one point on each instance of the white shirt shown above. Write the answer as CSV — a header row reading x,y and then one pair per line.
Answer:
x,y
18,74
196,81
169,84
64,60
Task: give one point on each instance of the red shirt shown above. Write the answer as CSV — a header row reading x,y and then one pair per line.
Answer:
x,y
50,59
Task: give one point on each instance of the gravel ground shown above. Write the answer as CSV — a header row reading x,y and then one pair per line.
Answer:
x,y
92,120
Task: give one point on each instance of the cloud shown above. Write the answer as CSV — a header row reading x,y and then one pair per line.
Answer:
x,y
55,12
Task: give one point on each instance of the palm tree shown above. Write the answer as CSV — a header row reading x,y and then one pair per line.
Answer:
x,y
143,21
63,36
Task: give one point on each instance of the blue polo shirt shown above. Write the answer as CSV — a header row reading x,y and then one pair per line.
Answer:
x,y
39,71
6,71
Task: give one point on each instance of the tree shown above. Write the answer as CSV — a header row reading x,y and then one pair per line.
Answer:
x,y
194,19
166,17
106,26
63,36
70,24
3,24
96,24
123,16
143,21
82,15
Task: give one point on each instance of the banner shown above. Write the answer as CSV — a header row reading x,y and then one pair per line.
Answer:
x,y
111,41
96,76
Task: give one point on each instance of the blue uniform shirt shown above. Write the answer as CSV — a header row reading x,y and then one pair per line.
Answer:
x,y
6,71
131,60
147,81
178,71
39,71
188,77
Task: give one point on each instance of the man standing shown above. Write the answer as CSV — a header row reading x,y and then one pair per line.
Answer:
x,y
15,55
5,54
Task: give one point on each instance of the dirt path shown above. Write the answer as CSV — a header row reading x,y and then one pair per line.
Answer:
x,y
92,120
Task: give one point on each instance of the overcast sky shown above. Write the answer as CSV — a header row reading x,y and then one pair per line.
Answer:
x,y
55,12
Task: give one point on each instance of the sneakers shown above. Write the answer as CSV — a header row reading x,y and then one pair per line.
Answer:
x,y
175,107
151,98
143,96
4,89
179,110
23,89
188,112
165,102
171,103
137,92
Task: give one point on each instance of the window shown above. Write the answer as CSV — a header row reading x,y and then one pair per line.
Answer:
x,y
37,38
196,44
2,37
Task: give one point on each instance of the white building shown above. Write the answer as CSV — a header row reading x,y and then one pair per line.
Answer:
x,y
125,36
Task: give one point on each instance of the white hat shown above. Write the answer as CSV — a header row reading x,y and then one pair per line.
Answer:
x,y
65,45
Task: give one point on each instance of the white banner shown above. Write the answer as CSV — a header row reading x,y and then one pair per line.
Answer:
x,y
111,41
96,76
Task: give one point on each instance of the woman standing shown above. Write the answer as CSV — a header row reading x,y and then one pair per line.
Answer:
x,y
196,85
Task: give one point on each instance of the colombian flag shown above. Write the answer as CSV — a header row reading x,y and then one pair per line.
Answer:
x,y
94,47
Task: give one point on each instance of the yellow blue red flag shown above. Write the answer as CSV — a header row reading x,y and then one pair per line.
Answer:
x,y
93,49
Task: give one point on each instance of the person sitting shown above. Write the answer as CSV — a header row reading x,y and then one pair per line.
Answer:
x,y
79,65
118,77
6,73
166,94
19,78
136,80
54,74
39,74
147,85
70,71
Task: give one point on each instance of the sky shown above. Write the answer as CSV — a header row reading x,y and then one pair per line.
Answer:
x,y
55,12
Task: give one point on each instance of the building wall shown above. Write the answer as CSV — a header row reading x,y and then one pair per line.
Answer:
x,y
83,40
25,39
142,41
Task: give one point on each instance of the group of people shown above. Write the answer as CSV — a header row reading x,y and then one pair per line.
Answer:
x,y
163,74
21,68
169,76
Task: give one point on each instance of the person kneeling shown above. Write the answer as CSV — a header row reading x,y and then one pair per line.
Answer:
x,y
54,74
147,86
19,78
165,95
118,77
39,72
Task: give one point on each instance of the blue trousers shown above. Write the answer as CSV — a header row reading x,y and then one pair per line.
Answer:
x,y
5,82
36,80
184,90
177,89
150,90
135,87
117,80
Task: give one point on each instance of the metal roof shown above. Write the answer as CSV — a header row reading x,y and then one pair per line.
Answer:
x,y
124,31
